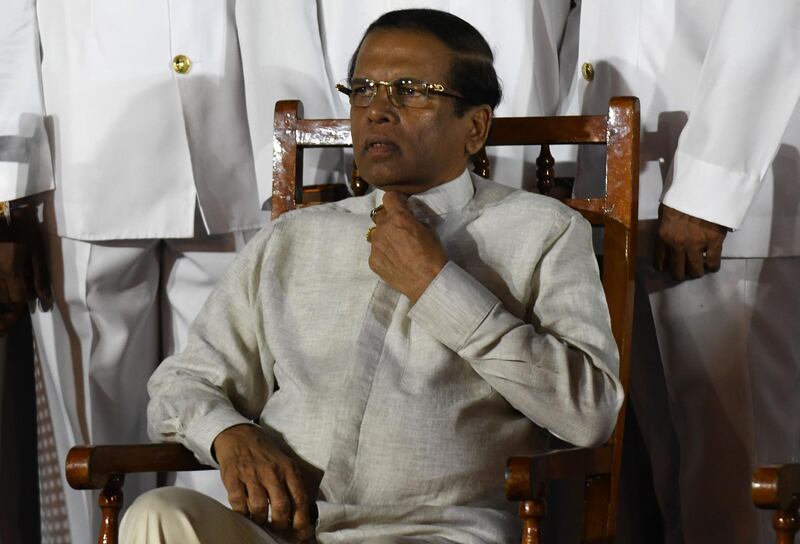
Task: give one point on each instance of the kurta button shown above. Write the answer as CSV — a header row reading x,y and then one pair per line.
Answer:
x,y
181,64
587,71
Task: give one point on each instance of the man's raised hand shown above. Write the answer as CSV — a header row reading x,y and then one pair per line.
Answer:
x,y
406,254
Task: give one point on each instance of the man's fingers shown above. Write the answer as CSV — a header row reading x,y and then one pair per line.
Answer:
x,y
237,494
695,263
301,514
394,202
714,254
689,243
378,214
279,499
258,502
677,261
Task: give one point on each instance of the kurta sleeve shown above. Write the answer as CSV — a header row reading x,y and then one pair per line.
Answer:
x,y
559,366
25,163
224,376
748,87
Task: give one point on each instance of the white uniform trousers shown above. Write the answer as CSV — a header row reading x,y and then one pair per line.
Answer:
x,y
119,308
171,514
730,346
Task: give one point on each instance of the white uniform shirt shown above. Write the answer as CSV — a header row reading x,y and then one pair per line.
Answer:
x,y
134,143
410,411
719,84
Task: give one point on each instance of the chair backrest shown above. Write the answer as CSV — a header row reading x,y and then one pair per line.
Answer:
x,y
777,487
615,211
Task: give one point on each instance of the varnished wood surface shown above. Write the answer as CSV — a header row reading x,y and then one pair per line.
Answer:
x,y
111,501
616,212
525,475
787,523
89,467
548,130
287,157
777,487
532,513
293,134
774,486
104,468
326,192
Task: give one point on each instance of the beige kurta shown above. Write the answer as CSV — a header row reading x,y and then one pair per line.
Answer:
x,y
410,410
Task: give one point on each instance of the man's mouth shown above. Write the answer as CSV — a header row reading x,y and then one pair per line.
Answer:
x,y
379,146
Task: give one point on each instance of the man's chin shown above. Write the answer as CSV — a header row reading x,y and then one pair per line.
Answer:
x,y
385,180
405,187
393,185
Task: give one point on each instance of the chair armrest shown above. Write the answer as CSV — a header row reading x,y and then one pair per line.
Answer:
x,y
524,475
89,467
775,487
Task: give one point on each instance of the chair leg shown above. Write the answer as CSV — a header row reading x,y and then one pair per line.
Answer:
x,y
787,522
532,514
110,501
597,495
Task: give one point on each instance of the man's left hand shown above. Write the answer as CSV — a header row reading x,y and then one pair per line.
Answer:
x,y
690,246
406,254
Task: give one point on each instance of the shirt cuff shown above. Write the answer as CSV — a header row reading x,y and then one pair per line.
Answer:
x,y
709,191
453,306
200,436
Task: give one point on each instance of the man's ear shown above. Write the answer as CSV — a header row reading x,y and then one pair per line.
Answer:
x,y
479,119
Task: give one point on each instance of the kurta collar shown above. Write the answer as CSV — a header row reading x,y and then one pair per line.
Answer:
x,y
445,198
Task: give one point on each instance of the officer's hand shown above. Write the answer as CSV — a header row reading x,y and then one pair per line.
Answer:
x,y
257,476
690,246
23,272
405,253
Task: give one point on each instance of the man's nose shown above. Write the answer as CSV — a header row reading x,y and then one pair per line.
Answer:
x,y
382,107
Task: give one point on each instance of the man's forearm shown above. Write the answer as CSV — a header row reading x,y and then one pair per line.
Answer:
x,y
561,374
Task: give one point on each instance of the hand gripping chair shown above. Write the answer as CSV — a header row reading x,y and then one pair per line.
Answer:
x,y
104,467
777,487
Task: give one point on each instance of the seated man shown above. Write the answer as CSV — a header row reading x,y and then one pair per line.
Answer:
x,y
379,385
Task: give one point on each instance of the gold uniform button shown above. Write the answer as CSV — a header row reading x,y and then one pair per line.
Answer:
x,y
181,64
587,71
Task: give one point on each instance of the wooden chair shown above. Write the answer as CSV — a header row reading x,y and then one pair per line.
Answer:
x,y
777,487
104,467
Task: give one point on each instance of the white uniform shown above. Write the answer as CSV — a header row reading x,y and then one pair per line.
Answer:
x,y
155,190
719,85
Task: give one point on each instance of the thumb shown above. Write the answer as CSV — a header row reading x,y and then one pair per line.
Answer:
x,y
394,201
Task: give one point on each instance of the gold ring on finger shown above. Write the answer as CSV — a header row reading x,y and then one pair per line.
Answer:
x,y
369,234
375,211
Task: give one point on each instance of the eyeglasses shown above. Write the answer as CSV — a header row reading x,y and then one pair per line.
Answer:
x,y
403,92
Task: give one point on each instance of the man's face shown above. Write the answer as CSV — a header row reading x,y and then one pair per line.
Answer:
x,y
408,149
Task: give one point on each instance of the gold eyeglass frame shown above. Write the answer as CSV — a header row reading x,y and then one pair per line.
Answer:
x,y
345,88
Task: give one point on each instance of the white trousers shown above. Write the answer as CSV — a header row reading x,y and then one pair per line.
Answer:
x,y
119,308
730,349
170,514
